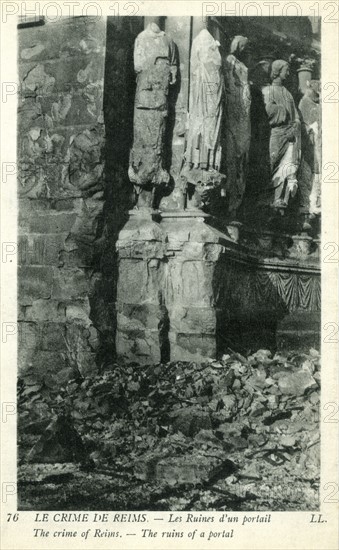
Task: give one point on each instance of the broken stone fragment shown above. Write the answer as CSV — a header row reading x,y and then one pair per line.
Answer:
x,y
297,383
257,408
261,356
252,471
288,441
195,469
238,369
207,438
236,385
258,379
257,440
225,403
273,402
191,420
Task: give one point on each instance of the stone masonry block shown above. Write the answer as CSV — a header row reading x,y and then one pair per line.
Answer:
x,y
192,347
69,37
52,222
176,229
46,310
29,335
193,320
60,76
29,207
142,249
78,311
140,229
190,283
41,249
143,347
204,251
81,336
72,108
201,232
22,312
140,281
53,337
138,316
69,284
45,363
34,283
131,281
80,255
26,358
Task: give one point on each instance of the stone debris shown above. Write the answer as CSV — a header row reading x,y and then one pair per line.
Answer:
x,y
179,435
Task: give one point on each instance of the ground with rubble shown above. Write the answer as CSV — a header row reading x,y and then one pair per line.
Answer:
x,y
237,434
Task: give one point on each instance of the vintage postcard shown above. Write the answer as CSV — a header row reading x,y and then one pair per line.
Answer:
x,y
169,262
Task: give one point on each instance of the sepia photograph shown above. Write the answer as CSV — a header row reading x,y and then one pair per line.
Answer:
x,y
169,277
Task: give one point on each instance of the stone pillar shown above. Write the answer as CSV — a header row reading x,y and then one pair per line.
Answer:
x,y
168,288
141,274
192,286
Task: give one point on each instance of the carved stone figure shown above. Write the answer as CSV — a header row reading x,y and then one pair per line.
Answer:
x,y
155,63
285,136
310,182
238,122
203,150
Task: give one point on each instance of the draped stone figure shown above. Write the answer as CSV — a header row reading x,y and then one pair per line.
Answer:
x,y
310,182
285,138
203,150
155,63
237,122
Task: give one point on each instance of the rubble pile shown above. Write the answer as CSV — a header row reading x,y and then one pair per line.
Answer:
x,y
241,433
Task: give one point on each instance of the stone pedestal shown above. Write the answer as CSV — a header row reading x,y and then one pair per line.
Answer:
x,y
141,251
168,288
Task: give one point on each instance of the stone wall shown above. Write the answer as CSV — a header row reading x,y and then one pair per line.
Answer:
x,y
61,192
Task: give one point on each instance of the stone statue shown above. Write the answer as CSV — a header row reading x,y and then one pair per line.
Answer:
x,y
238,123
155,62
285,139
203,150
310,180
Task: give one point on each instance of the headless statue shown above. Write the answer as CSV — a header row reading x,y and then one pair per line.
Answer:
x,y
203,150
155,63
238,123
